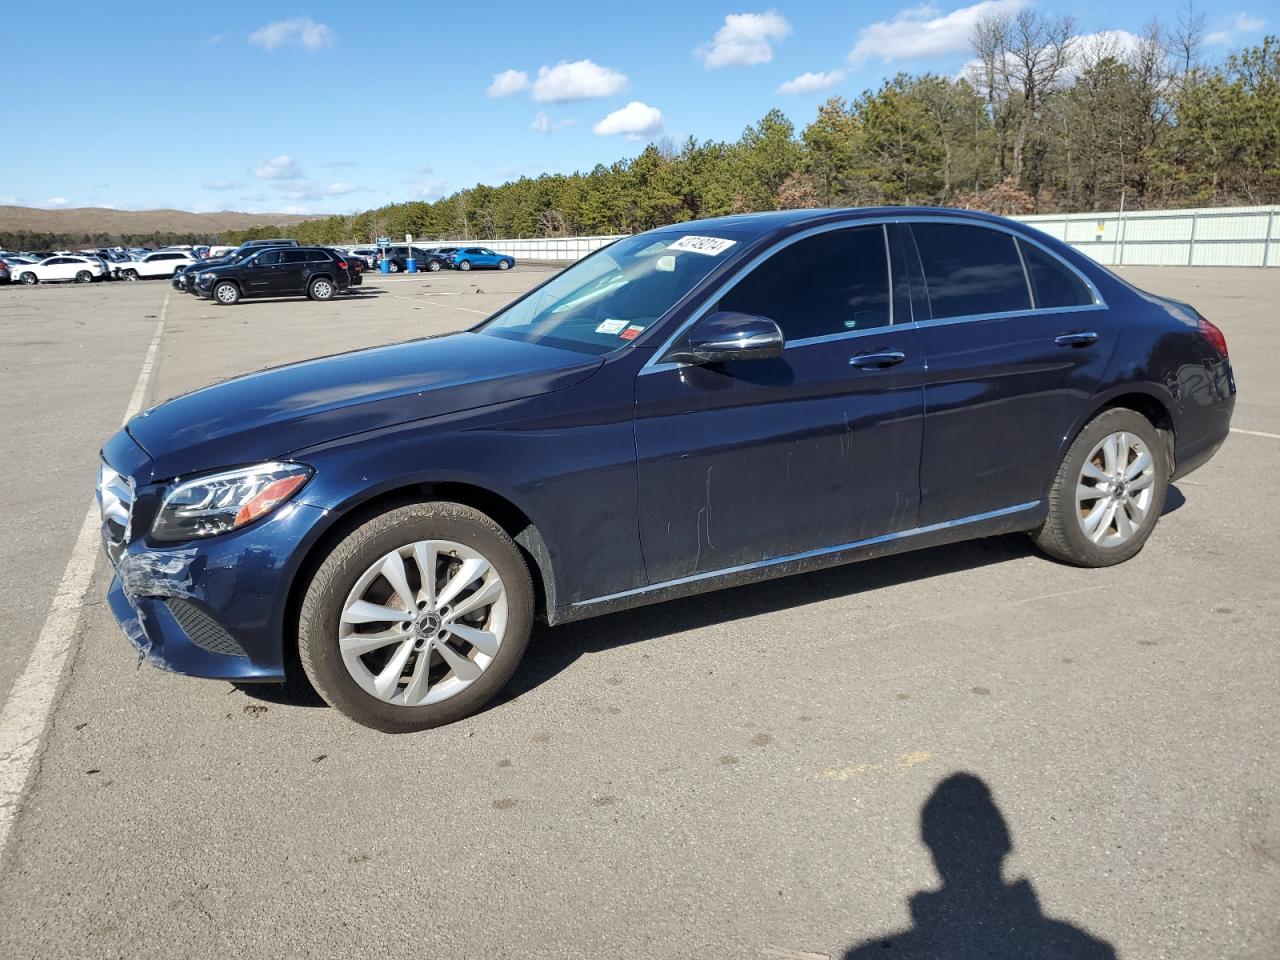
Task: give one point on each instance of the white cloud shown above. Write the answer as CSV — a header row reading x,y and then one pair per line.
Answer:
x,y
8,201
579,80
56,202
1086,48
339,189
636,120
277,168
508,82
253,198
222,184
302,31
1241,23
544,124
924,31
746,39
430,189
812,82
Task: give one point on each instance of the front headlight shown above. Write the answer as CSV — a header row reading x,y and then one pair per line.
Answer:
x,y
218,503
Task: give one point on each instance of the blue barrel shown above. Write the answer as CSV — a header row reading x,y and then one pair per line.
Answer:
x,y
384,266
411,265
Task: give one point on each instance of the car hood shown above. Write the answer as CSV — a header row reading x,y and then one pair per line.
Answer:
x,y
272,413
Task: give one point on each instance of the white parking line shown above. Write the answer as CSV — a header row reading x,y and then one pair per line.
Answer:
x,y
32,696
1256,433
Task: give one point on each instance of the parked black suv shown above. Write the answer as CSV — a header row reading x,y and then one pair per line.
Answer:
x,y
313,272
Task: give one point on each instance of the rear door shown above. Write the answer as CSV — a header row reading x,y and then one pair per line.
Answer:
x,y
754,460
294,272
1017,342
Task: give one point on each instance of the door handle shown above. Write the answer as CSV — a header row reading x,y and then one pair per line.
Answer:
x,y
877,359
1082,339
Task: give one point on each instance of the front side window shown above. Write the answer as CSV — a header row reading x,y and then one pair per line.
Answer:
x,y
970,270
1053,282
608,299
834,282
269,258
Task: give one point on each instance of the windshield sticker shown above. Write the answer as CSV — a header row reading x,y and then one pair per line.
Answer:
x,y
631,332
711,246
612,326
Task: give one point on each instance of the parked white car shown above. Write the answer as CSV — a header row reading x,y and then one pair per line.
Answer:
x,y
82,269
162,263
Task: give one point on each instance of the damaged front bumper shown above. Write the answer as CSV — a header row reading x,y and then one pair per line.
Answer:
x,y
214,608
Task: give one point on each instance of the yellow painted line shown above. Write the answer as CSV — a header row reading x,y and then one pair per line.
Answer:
x,y
1256,433
849,771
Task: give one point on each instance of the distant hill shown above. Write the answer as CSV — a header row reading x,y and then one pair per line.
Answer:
x,y
101,220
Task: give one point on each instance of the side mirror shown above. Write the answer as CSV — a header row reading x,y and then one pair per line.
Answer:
x,y
726,336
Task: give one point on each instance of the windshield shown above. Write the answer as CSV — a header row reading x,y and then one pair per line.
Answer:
x,y
610,298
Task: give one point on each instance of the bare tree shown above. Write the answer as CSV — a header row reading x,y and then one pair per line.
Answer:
x,y
1188,36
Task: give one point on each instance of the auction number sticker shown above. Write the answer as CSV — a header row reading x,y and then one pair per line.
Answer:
x,y
711,246
612,326
631,332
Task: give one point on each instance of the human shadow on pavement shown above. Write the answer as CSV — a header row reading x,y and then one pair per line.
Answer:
x,y
975,913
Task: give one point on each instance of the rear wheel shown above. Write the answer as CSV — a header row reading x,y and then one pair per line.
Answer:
x,y
321,289
84,276
417,618
434,266
130,274
29,278
394,267
464,265
1109,492
226,293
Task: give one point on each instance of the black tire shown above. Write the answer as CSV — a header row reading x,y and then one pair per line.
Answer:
x,y
29,278
433,266
321,288
394,267
226,293
318,619
1062,535
84,276
130,274
464,265
504,265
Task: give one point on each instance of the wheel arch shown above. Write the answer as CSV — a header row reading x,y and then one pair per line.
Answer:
x,y
1146,399
508,515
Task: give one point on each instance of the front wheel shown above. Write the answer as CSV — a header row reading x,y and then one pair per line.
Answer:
x,y
130,274
434,266
29,278
1109,491
394,268
417,618
321,289
84,276
226,293
504,265
464,265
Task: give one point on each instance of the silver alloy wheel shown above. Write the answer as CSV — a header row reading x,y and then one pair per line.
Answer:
x,y
131,274
226,293
423,623
84,276
465,265
29,278
322,290
503,265
1115,489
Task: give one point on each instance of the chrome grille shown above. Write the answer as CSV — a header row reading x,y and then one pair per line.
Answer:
x,y
115,500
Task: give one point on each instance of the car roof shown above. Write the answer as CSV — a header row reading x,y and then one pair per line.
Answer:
x,y
786,221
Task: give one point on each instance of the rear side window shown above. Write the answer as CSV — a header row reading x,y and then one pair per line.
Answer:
x,y
835,282
294,256
970,270
318,256
1053,283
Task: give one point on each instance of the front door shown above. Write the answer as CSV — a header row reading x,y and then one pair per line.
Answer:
x,y
263,277
1017,345
757,460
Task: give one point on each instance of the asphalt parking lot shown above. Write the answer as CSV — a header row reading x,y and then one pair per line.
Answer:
x,y
736,775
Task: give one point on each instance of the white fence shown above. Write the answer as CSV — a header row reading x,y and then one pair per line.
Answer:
x,y
1208,237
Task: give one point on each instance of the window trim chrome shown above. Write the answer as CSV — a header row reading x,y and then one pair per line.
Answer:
x,y
654,365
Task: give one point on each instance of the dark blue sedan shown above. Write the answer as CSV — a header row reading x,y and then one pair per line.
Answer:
x,y
696,407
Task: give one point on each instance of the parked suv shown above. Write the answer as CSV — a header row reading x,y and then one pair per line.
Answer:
x,y
472,258
277,272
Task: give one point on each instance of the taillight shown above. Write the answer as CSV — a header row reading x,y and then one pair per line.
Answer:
x,y
342,264
1214,336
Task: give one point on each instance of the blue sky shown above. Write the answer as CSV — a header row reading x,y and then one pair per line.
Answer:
x,y
328,107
